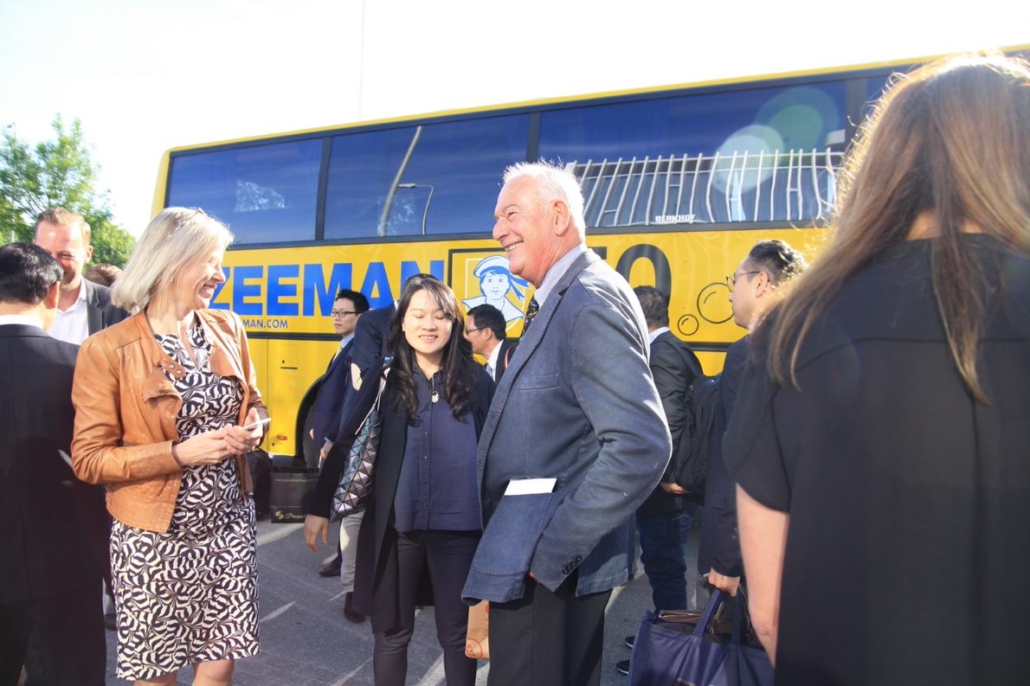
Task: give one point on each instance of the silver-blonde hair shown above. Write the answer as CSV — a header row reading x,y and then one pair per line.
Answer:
x,y
173,239
555,183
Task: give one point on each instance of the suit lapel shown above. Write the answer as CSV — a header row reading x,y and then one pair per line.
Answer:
x,y
94,315
527,346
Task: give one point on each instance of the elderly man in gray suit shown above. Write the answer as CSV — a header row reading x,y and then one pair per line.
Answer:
x,y
574,442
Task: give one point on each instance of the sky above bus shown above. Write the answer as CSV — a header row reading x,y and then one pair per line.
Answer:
x,y
144,77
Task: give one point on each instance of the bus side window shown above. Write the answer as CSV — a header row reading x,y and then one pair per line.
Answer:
x,y
448,182
265,193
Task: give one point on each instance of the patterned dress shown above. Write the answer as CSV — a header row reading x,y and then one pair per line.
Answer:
x,y
190,595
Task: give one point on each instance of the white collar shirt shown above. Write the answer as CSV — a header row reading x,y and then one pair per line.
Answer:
x,y
72,325
491,363
656,333
556,272
21,319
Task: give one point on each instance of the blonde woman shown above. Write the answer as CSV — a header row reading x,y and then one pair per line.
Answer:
x,y
166,410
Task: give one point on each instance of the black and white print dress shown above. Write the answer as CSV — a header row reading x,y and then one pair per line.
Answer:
x,y
190,595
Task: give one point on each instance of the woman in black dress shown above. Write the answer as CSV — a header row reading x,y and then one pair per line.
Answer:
x,y
880,439
420,533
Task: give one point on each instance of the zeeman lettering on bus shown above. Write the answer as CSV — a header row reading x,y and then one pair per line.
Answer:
x,y
307,290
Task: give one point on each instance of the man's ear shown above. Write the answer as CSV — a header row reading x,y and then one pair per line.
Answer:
x,y
763,286
53,295
560,217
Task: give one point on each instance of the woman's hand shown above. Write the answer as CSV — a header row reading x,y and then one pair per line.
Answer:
x,y
314,525
729,584
242,440
203,449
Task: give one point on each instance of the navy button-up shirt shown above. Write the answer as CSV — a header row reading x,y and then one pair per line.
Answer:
x,y
437,485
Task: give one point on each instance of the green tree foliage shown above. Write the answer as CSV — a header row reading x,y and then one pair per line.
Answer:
x,y
57,173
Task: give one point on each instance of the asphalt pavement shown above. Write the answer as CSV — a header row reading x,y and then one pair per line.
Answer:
x,y
305,640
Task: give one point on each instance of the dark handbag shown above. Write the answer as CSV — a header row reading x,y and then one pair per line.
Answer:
x,y
354,492
665,652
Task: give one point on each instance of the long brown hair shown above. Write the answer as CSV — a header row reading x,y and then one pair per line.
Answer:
x,y
459,369
951,139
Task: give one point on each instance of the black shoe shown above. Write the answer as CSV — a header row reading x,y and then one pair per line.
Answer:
x,y
629,641
348,610
110,622
622,667
330,570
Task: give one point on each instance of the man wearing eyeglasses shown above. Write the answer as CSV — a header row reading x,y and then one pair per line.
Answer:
x,y
331,390
485,330
754,288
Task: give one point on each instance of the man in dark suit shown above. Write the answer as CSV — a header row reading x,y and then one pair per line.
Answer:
x,y
485,330
332,386
85,307
665,518
573,444
49,573
754,288
330,390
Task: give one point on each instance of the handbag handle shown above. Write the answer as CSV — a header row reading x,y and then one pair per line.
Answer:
x,y
714,602
741,616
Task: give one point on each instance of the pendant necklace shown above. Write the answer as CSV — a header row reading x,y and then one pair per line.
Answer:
x,y
433,396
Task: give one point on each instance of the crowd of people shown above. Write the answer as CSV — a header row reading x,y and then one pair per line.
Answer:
x,y
868,471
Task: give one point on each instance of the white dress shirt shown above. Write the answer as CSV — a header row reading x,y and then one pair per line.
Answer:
x,y
72,325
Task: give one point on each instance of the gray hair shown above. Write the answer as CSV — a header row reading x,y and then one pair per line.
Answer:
x,y
555,183
173,239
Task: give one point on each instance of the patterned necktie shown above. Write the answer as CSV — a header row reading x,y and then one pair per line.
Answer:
x,y
531,311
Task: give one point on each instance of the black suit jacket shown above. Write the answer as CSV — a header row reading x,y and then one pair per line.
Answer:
x,y
674,367
100,313
370,347
719,547
370,338
47,516
330,390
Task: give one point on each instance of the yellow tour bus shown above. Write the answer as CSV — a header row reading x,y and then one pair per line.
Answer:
x,y
679,183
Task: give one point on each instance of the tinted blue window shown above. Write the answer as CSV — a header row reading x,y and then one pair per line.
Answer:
x,y
265,193
751,155
449,182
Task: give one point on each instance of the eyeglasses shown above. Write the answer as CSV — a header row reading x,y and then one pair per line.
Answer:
x,y
468,331
341,313
731,280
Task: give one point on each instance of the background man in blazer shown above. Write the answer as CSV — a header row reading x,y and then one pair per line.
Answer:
x,y
753,290
49,574
327,411
85,307
665,518
485,330
332,386
575,440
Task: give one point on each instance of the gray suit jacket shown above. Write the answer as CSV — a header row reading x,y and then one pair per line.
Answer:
x,y
100,313
578,404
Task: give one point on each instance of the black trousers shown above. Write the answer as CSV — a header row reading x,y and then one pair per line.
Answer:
x,y
548,639
448,555
68,629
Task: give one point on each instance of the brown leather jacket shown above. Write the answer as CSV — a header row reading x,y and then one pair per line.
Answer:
x,y
125,412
